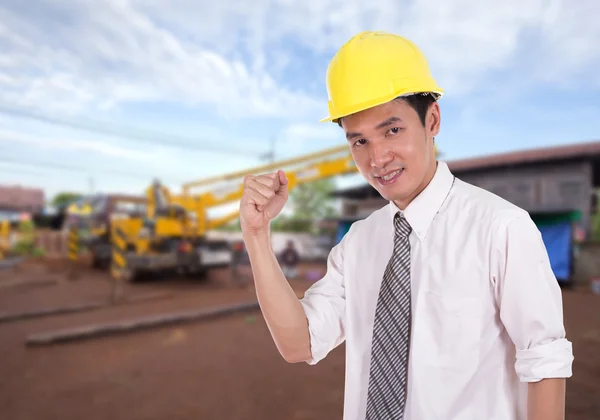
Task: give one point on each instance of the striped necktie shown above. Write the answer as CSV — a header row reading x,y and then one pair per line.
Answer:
x,y
390,347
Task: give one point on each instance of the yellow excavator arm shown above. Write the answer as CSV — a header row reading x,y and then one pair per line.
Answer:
x,y
158,197
340,165
265,168
307,168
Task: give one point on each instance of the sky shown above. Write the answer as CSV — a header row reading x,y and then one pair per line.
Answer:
x,y
105,96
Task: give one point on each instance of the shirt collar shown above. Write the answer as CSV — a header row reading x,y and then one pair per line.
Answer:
x,y
422,210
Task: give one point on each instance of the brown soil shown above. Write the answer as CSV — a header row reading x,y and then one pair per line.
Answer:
x,y
225,368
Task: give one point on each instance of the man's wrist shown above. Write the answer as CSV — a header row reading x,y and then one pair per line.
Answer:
x,y
257,239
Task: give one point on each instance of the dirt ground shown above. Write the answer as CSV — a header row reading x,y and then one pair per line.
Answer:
x,y
226,368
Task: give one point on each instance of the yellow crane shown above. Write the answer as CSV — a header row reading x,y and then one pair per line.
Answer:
x,y
173,235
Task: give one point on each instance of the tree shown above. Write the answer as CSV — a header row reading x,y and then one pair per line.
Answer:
x,y
596,227
596,217
63,199
309,202
312,200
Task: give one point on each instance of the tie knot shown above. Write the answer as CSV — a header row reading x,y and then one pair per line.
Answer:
x,y
401,225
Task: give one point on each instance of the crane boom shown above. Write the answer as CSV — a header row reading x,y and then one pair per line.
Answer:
x,y
307,173
263,168
313,172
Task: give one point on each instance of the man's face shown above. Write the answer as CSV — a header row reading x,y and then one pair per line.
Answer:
x,y
392,149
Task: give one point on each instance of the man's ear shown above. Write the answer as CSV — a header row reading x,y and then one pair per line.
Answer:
x,y
434,119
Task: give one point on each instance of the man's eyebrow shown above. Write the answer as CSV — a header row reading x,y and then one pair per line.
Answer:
x,y
388,122
350,136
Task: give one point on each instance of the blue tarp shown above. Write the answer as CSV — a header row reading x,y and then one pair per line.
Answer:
x,y
557,238
343,228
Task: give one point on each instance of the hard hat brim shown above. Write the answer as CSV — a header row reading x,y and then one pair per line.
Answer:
x,y
373,103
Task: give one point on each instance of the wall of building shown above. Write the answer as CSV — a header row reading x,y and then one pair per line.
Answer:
x,y
542,187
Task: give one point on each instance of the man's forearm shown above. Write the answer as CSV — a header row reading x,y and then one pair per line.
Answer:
x,y
280,306
546,399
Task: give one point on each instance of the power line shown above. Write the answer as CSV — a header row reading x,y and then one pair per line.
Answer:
x,y
74,168
28,172
132,133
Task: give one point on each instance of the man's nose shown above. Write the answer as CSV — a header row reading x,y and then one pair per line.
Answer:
x,y
380,156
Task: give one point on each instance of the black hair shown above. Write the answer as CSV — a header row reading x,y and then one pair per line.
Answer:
x,y
420,102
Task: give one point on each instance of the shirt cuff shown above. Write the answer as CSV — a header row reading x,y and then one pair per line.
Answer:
x,y
549,360
318,348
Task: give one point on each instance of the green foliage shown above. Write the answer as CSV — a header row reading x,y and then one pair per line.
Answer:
x,y
596,227
38,252
291,224
26,247
312,201
23,247
27,228
309,203
65,198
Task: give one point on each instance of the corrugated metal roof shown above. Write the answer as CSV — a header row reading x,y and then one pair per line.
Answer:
x,y
18,198
547,154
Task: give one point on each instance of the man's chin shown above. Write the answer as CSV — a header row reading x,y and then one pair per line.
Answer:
x,y
391,192
386,193
391,195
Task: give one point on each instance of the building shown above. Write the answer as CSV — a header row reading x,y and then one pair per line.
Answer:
x,y
18,200
557,186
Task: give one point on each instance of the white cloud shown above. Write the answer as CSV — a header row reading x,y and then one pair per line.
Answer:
x,y
98,147
303,131
234,56
243,58
300,137
464,40
570,48
111,53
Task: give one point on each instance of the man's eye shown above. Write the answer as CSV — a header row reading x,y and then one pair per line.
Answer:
x,y
360,142
395,130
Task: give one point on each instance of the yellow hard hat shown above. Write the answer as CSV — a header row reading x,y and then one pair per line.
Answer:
x,y
373,68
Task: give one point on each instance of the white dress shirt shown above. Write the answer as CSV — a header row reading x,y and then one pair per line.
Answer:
x,y
486,307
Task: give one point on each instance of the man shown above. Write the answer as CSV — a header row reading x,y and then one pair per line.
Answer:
x,y
445,297
239,263
289,258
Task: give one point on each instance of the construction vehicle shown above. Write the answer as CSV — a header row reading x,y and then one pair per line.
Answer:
x,y
91,216
4,237
174,233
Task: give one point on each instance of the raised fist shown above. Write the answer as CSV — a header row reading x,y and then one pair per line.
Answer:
x,y
263,199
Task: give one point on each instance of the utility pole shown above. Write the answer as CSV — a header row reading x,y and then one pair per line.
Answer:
x,y
273,139
270,155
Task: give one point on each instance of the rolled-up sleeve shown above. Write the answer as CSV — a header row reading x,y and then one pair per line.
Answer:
x,y
530,303
324,304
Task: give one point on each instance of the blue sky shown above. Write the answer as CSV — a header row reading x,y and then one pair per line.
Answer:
x,y
108,95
